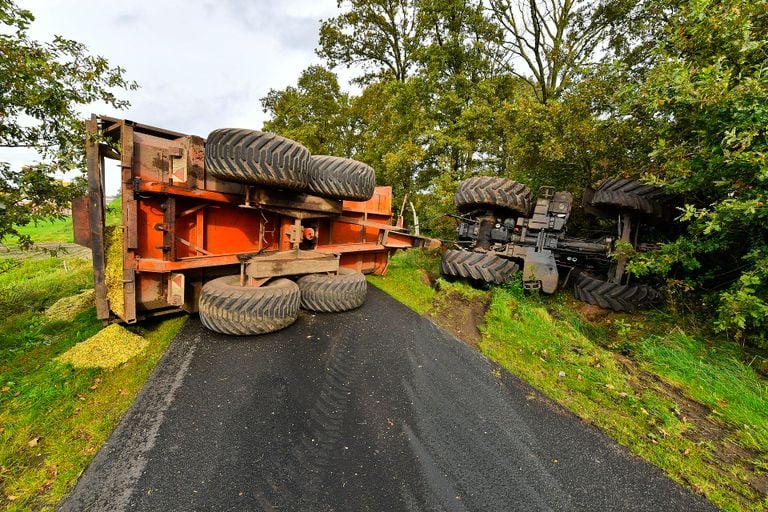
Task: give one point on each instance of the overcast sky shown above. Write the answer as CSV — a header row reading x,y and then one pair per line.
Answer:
x,y
200,64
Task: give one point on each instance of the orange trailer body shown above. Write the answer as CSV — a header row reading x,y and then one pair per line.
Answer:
x,y
182,227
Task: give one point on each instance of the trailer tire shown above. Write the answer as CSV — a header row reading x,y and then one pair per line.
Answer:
x,y
341,178
228,308
627,195
257,158
487,268
333,293
618,297
492,192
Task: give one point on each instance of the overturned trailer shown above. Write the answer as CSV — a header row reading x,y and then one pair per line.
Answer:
x,y
244,227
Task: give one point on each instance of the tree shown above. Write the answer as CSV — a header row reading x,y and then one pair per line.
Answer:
x,y
315,113
379,35
705,103
553,39
392,119
41,87
456,67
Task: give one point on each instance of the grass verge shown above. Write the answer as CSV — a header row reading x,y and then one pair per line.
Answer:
x,y
60,230
53,417
691,406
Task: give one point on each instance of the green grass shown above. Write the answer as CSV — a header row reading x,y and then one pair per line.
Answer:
x,y
26,290
634,376
715,377
53,417
60,230
406,276
50,230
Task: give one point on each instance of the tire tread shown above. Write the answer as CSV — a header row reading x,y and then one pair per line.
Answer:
x,y
341,178
492,192
257,158
477,266
617,297
631,195
228,308
333,293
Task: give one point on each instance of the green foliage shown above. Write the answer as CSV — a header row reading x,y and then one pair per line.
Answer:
x,y
392,118
42,85
378,35
315,113
707,102
555,41
514,88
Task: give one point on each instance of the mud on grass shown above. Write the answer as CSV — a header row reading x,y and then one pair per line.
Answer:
x,y
727,457
409,278
460,310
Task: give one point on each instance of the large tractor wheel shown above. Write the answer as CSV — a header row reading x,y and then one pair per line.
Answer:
x,y
487,268
341,178
494,193
333,293
618,297
228,308
626,195
257,158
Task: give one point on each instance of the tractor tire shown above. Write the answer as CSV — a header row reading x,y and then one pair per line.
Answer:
x,y
257,158
487,268
333,293
626,195
228,308
618,297
495,193
341,178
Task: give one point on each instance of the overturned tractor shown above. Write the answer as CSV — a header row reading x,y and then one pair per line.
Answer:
x,y
501,230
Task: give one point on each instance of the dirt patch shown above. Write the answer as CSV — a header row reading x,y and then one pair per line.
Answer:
x,y
590,312
460,316
705,428
428,278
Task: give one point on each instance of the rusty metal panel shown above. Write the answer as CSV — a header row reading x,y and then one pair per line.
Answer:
x,y
170,203
380,203
130,237
96,216
290,263
296,204
81,221
195,161
150,291
129,223
169,229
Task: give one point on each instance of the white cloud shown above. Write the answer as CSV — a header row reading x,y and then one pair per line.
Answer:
x,y
200,64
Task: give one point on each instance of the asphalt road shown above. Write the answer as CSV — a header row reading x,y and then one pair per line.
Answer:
x,y
374,409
